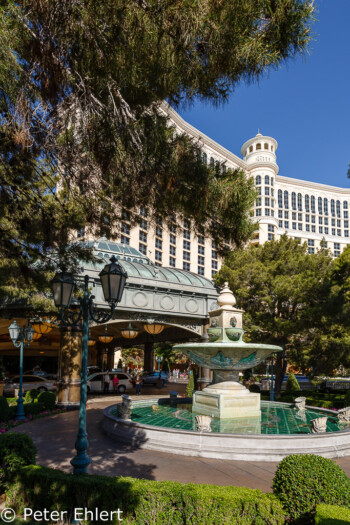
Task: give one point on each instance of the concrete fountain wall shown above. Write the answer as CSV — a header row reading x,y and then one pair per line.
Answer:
x,y
257,447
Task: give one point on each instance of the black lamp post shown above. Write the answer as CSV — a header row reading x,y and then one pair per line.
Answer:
x,y
113,278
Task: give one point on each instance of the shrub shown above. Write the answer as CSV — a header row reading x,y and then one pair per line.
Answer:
x,y
4,409
48,399
143,501
331,515
33,408
303,481
255,389
292,384
16,451
347,399
190,385
31,395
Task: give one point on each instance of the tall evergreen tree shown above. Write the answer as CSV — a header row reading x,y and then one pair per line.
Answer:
x,y
83,130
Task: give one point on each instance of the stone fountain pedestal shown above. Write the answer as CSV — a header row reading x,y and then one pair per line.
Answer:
x,y
227,400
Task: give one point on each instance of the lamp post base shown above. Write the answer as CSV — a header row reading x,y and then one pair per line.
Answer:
x,y
20,415
80,463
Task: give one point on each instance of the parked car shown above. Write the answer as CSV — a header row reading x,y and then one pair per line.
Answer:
x,y
95,382
151,378
329,385
30,382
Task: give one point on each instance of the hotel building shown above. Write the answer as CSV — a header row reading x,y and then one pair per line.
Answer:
x,y
317,214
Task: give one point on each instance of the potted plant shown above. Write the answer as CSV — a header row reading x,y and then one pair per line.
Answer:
x,y
2,376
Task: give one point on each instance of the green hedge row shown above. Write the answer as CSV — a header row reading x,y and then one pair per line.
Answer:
x,y
143,501
332,515
34,403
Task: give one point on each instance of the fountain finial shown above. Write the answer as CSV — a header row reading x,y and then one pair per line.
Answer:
x,y
226,297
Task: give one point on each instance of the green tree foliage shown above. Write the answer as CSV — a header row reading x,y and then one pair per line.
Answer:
x,y
190,388
284,292
84,133
120,364
292,384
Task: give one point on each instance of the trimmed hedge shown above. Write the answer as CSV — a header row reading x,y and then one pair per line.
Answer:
x,y
48,399
143,501
331,515
16,451
292,384
31,395
303,481
4,409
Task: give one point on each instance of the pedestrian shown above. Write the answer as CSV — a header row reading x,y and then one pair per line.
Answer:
x,y
106,381
138,384
115,383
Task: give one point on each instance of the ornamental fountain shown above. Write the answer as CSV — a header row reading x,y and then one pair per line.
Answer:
x,y
226,354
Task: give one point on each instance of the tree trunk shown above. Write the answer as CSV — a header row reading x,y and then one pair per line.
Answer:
x,y
280,370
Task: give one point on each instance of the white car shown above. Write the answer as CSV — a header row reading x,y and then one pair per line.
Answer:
x,y
30,382
95,382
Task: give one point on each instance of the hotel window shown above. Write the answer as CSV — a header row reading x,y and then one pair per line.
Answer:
x,y
338,223
159,231
259,190
307,203
270,236
186,266
250,149
272,192
214,254
143,249
186,245
258,202
300,226
286,200
336,249
286,215
294,201
186,256
158,256
200,270
346,224
213,245
272,213
320,229
286,224
333,222
300,202
320,208
311,250
280,224
267,179
294,225
211,162
143,224
159,221
124,240
313,206
339,233
326,221
338,208
267,201
326,231
258,212
125,228
345,205
187,224
294,216
300,216
173,228
333,231
200,260
172,250
270,228
313,228
201,250
200,239
345,214
172,261
213,273
320,220
280,214
313,219
271,181
267,211
310,242
214,264
333,208
187,234
143,212
280,203
143,236
258,180
267,191
325,206
307,218
346,233
205,158
307,227
172,239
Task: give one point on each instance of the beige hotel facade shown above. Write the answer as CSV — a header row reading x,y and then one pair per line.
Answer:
x,y
314,213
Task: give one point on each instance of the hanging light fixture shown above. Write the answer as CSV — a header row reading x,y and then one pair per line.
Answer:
x,y
129,332
41,328
105,338
36,336
154,328
91,342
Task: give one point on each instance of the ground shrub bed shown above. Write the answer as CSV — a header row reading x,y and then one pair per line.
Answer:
x,y
143,501
313,398
16,451
331,515
303,481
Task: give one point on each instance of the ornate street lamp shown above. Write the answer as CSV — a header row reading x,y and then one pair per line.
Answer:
x,y
272,390
159,359
129,332
21,338
113,278
153,328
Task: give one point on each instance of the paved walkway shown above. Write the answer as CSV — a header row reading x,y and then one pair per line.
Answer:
x,y
55,437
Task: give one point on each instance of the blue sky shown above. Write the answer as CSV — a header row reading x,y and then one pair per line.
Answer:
x,y
305,105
